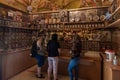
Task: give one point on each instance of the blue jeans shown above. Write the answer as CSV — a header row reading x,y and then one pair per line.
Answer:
x,y
73,65
40,60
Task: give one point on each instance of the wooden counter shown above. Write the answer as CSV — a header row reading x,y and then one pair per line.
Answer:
x,y
13,62
115,72
89,67
111,72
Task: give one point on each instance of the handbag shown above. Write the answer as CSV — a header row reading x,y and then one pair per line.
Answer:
x,y
33,49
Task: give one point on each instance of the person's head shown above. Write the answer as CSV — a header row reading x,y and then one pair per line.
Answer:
x,y
73,33
41,35
76,38
54,37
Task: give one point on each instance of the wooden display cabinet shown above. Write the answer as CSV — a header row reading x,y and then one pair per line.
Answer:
x,y
116,72
13,62
15,43
110,71
107,71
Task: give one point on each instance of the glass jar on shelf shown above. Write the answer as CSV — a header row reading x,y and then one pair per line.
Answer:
x,y
46,21
58,20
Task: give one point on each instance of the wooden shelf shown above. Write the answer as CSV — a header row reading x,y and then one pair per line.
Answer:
x,y
19,27
73,23
115,12
5,52
53,23
91,22
115,24
57,11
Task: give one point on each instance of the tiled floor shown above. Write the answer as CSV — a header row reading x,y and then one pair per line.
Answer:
x,y
29,74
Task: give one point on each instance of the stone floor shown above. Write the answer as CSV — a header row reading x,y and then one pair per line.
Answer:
x,y
29,74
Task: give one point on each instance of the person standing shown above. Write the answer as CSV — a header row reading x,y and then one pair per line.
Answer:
x,y
75,51
38,49
53,49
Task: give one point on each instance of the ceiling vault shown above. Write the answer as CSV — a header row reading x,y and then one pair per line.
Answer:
x,y
47,5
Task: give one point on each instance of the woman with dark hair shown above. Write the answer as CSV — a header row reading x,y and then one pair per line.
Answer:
x,y
53,49
38,51
75,51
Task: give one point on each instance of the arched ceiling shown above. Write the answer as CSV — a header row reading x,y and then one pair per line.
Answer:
x,y
42,5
